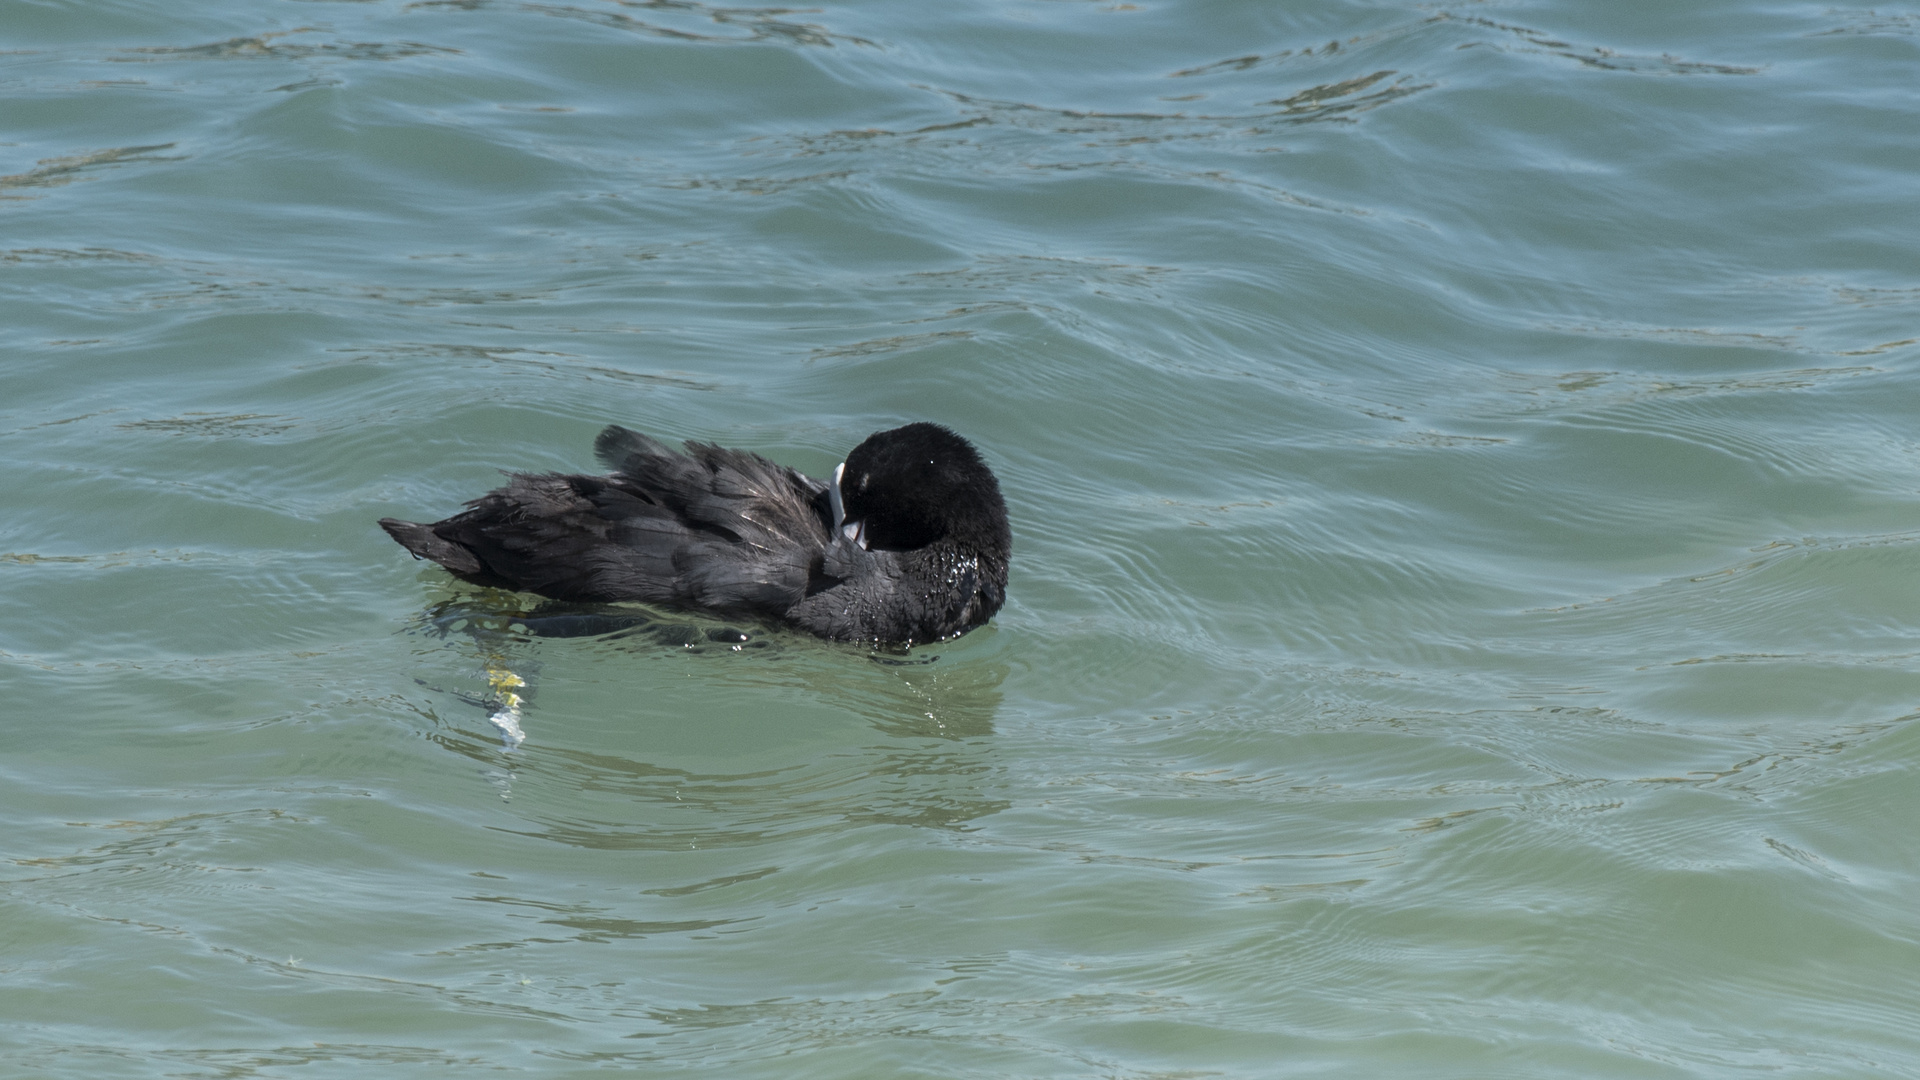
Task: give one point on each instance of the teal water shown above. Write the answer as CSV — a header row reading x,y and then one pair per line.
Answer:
x,y
1466,494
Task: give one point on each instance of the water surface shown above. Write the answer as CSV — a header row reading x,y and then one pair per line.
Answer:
x,y
1465,485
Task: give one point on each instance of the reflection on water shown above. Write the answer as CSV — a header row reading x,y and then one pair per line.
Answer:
x,y
494,618
908,696
1462,462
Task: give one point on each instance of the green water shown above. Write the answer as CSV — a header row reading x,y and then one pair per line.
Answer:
x,y
1466,493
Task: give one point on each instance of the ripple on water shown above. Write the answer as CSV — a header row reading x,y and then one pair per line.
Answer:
x,y
1462,472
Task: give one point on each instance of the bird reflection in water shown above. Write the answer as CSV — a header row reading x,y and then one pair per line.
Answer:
x,y
916,696
931,768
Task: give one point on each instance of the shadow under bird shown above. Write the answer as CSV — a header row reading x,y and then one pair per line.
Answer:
x,y
907,544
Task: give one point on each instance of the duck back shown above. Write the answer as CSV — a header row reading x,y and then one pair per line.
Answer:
x,y
714,528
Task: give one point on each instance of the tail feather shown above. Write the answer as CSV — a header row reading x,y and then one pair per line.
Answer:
x,y
426,544
625,450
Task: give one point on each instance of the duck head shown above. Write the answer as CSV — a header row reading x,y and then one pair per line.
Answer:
x,y
912,486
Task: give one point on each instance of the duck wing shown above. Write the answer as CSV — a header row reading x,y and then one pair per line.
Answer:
x,y
715,528
736,494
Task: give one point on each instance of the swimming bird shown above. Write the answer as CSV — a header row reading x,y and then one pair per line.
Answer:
x,y
908,543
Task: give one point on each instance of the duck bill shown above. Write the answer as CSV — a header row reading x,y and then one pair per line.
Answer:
x,y
855,532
